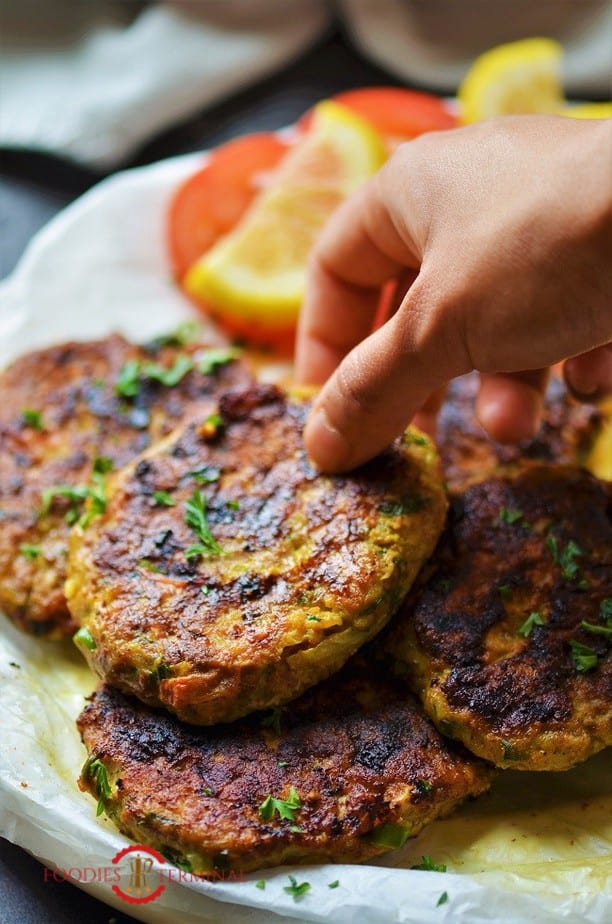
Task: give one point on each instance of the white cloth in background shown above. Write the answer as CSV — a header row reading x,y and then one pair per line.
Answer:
x,y
91,80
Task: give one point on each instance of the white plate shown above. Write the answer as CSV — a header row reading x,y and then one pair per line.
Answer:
x,y
536,849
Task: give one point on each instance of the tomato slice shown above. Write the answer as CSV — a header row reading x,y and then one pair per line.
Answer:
x,y
210,202
397,113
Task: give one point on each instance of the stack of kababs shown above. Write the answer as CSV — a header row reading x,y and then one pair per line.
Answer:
x,y
295,666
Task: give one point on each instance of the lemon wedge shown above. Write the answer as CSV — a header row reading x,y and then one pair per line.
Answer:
x,y
519,77
253,278
589,111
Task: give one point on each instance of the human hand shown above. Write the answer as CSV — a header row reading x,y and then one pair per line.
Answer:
x,y
500,236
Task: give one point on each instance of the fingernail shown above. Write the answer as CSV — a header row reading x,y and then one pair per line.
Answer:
x,y
328,447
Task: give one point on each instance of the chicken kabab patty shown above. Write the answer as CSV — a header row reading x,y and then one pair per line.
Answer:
x,y
567,434
68,414
508,642
348,771
229,575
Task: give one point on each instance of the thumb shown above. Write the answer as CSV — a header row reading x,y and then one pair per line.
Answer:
x,y
380,385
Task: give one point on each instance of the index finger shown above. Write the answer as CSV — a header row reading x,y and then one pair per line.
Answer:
x,y
359,249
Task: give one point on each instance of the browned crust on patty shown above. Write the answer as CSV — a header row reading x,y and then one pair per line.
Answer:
x,y
357,750
520,702
566,435
309,567
72,387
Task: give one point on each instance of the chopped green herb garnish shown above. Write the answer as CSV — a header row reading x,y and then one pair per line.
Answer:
x,y
565,558
429,865
415,438
163,499
233,505
213,420
585,658
149,566
295,829
425,785
510,516
311,618
75,493
408,503
32,418
211,359
206,475
534,619
594,629
283,763
286,808
298,891
273,720
392,836
102,465
168,377
442,900
183,334
205,589
334,884
195,517
97,772
128,380
260,884
505,591
29,551
509,752
84,637
605,609
196,551
161,672
207,791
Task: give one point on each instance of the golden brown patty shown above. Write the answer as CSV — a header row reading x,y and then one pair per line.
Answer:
x,y
566,435
60,411
252,576
353,766
508,643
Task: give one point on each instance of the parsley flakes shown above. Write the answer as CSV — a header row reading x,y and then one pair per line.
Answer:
x,y
534,619
511,517
32,418
594,629
163,499
84,637
286,808
429,865
297,890
29,551
134,372
97,772
565,557
195,517
585,658
605,609
211,359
